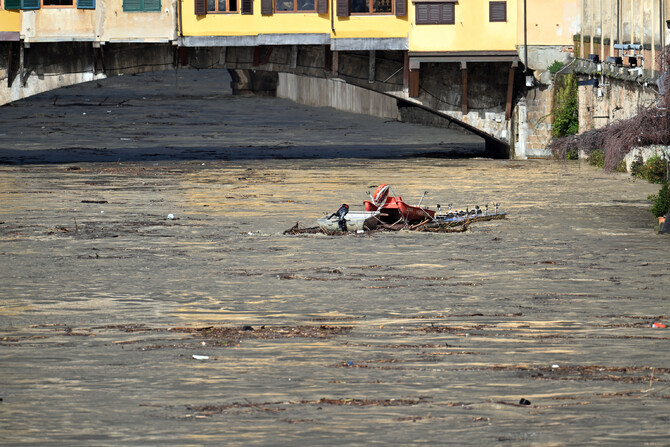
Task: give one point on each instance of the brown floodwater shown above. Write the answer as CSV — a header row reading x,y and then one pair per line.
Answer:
x,y
383,338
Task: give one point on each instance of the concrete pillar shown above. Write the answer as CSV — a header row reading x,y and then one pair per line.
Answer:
x,y
521,129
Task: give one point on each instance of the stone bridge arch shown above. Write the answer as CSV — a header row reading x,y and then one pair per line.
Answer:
x,y
39,67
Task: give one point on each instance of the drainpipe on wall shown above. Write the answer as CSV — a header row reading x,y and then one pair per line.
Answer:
x,y
332,15
181,25
525,38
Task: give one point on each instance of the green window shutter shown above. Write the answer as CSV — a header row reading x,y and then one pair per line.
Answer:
x,y
30,4
152,5
12,4
86,4
132,5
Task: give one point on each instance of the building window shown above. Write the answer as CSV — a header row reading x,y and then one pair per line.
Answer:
x,y
497,11
61,3
269,7
141,5
295,5
37,4
371,6
221,6
435,13
345,8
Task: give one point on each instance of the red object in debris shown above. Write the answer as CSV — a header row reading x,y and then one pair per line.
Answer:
x,y
396,209
660,325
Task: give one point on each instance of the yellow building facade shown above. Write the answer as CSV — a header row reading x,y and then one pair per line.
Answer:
x,y
10,23
414,25
100,21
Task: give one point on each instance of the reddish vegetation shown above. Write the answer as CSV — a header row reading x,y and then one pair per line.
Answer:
x,y
650,126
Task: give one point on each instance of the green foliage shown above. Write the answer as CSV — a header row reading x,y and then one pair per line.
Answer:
x,y
555,67
572,154
661,201
566,120
654,170
597,158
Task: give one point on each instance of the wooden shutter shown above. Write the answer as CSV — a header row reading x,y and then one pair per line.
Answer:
x,y
132,5
435,13
421,14
86,4
497,11
200,7
448,14
12,4
30,4
152,5
266,7
322,6
342,8
247,7
400,8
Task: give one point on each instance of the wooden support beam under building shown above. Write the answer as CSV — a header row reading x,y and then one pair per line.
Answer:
x,y
371,66
414,83
22,68
10,66
294,56
464,88
257,56
327,58
336,63
405,73
510,90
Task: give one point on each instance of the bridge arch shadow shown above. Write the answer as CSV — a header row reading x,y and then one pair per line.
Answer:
x,y
195,115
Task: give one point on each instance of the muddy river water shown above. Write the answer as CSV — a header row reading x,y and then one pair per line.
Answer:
x,y
385,338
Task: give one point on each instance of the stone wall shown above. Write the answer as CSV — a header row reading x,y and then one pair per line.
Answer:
x,y
612,100
534,121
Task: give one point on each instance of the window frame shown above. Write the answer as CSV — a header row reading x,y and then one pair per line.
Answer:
x,y
227,11
295,8
370,7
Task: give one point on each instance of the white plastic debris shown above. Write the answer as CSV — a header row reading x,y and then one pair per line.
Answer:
x,y
200,357
555,365
170,216
360,231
